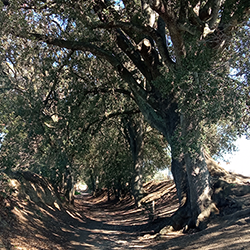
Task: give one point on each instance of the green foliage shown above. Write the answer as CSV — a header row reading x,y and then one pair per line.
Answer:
x,y
157,154
109,162
5,188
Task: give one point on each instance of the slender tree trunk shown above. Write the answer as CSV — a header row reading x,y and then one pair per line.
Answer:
x,y
108,193
70,187
134,132
137,184
93,182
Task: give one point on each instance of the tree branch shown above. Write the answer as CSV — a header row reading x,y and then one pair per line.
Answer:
x,y
127,47
73,45
56,75
85,46
165,11
215,13
232,15
109,116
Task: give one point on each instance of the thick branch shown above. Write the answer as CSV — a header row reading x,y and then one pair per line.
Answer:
x,y
139,93
126,46
150,56
109,116
148,30
215,13
73,45
149,13
84,46
162,43
158,36
232,15
166,12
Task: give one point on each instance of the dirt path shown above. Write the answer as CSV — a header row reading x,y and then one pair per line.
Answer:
x,y
94,224
108,225
122,226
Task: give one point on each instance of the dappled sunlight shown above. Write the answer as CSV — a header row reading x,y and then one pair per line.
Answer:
x,y
86,246
20,214
220,234
96,223
122,226
169,212
224,237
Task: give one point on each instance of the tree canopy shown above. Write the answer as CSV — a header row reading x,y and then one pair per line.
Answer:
x,y
71,65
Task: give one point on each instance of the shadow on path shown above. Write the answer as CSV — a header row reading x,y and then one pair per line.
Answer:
x,y
107,225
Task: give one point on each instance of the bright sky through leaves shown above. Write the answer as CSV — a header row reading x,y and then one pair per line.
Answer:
x,y
239,161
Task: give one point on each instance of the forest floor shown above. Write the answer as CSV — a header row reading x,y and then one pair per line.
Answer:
x,y
96,224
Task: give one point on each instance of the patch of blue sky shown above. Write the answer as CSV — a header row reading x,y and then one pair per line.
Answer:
x,y
236,74
119,3
62,23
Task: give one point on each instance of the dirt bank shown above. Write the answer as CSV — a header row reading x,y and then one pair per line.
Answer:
x,y
97,224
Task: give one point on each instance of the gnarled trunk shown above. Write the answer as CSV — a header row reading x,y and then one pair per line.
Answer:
x,y
194,191
200,191
178,168
179,172
192,180
189,169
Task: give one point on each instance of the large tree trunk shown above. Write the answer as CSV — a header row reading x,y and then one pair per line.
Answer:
x,y
179,172
194,191
189,168
178,169
192,179
200,191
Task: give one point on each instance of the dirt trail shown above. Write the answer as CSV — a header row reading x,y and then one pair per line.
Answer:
x,y
108,225
122,226
95,224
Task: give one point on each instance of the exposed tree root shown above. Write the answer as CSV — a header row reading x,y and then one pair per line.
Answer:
x,y
156,195
227,188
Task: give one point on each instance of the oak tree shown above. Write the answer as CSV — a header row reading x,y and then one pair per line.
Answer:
x,y
173,58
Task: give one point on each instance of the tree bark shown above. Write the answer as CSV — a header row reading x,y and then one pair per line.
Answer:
x,y
199,188
192,180
137,183
70,187
180,175
133,129
189,169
